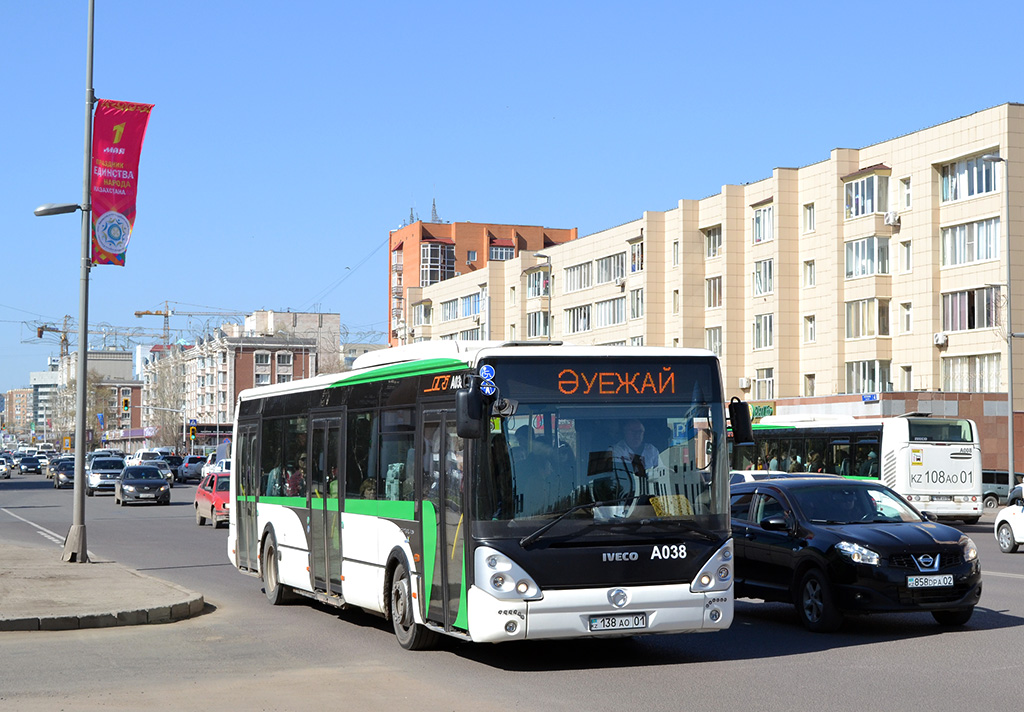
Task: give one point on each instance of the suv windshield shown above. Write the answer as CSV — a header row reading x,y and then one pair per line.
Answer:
x,y
99,464
850,504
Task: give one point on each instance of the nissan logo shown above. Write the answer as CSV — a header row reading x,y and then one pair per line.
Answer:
x,y
618,597
926,560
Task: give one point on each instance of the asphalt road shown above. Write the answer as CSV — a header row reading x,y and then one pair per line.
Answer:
x,y
245,654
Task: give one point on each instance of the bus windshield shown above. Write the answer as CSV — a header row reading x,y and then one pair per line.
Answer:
x,y
941,431
639,464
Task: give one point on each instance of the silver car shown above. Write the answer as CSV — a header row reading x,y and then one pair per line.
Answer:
x,y
102,473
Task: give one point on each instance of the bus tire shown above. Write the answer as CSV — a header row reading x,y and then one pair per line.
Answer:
x,y
411,635
277,592
814,604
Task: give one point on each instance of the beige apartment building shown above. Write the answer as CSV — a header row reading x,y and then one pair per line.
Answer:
x,y
871,283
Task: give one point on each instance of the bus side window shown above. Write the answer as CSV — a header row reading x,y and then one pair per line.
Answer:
x,y
358,477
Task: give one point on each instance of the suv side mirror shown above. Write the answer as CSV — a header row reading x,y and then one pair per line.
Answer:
x,y
774,524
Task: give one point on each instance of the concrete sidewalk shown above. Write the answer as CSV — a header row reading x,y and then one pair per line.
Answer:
x,y
39,591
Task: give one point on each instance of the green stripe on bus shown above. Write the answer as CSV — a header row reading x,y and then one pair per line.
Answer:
x,y
429,551
462,619
373,507
403,370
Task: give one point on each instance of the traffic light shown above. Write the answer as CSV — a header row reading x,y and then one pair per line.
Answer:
x,y
126,404
192,433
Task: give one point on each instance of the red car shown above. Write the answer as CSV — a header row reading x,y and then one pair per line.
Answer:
x,y
212,499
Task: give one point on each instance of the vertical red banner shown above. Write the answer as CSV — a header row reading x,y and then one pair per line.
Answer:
x,y
118,128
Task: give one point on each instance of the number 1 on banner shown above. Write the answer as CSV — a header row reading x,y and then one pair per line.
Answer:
x,y
118,130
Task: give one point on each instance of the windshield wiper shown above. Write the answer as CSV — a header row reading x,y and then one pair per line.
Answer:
x,y
530,538
682,524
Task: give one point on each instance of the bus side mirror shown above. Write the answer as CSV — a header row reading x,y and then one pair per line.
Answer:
x,y
739,419
469,413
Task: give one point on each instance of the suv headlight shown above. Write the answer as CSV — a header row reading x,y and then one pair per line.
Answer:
x,y
970,550
857,554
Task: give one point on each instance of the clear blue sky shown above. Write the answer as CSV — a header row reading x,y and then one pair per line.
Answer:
x,y
288,138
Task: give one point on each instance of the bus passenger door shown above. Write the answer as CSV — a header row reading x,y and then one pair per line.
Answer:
x,y
443,525
326,447
246,489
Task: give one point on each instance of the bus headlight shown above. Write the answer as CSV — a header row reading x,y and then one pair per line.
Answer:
x,y
970,550
857,554
716,574
501,577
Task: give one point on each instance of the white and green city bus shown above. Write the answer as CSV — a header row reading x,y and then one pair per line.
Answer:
x,y
484,490
934,462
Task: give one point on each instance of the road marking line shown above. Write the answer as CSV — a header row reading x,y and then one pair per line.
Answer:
x,y
43,531
999,573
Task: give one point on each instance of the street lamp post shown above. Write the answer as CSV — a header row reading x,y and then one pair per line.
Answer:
x,y
75,549
1011,467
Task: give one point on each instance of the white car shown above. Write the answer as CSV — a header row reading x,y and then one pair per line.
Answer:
x,y
1009,526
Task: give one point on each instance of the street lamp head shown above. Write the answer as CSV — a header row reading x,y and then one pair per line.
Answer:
x,y
56,209
992,158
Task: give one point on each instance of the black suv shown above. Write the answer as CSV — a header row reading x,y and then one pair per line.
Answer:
x,y
834,546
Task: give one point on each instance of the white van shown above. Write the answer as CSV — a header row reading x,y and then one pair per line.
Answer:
x,y
142,455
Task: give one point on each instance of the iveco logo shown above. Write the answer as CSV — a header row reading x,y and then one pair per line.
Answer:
x,y
618,598
620,556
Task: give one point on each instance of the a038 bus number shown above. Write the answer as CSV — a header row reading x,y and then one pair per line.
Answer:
x,y
941,477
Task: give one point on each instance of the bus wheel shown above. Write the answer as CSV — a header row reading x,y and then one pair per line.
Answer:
x,y
410,634
272,586
814,604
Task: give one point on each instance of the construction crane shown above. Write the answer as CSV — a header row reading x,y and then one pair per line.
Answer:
x,y
167,313
68,328
63,334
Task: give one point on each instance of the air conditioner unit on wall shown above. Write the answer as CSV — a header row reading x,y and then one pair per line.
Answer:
x,y
940,338
744,383
892,218
620,281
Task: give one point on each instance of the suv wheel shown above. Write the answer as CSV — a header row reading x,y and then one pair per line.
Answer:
x,y
814,604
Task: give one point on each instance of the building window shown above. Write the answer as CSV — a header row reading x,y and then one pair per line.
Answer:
x,y
764,277
511,332
810,336
809,217
469,305
972,242
713,241
577,319
867,195
437,262
764,337
867,317
808,385
281,378
713,340
675,253
764,384
906,256
262,379
905,196
867,257
611,268
971,374
764,228
868,376
810,277
284,359
636,303
675,301
906,378
636,257
421,314
712,290
512,296
968,177
501,254
261,358
471,256
610,312
450,310
636,341
970,309
578,277
906,317
470,334
537,284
